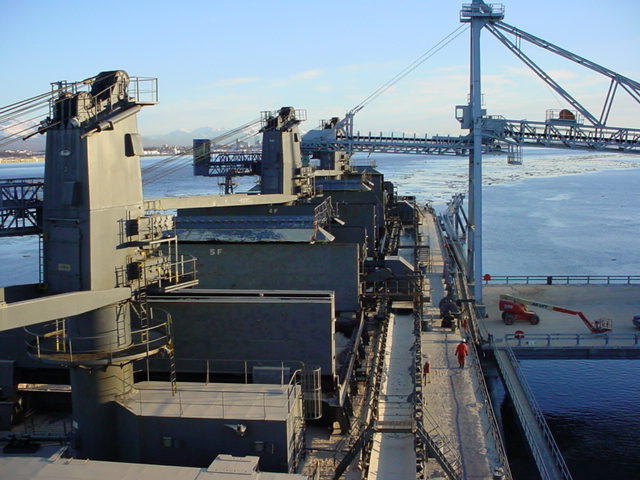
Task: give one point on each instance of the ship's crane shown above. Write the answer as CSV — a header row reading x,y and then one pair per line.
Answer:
x,y
516,308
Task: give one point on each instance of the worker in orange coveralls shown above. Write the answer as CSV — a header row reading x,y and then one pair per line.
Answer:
x,y
462,350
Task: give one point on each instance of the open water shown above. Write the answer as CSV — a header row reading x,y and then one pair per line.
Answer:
x,y
560,213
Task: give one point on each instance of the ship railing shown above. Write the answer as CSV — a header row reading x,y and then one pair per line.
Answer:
x,y
575,340
253,405
268,117
144,90
322,215
181,273
276,372
563,279
359,438
441,446
347,368
418,403
138,90
429,435
208,369
409,219
51,342
313,473
160,274
405,286
504,468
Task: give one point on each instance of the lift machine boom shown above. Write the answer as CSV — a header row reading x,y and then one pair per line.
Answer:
x,y
515,308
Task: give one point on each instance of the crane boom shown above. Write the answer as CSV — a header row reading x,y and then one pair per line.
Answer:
x,y
601,325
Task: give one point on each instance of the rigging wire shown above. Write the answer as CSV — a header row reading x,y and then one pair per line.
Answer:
x,y
32,100
25,133
24,111
44,99
10,115
411,67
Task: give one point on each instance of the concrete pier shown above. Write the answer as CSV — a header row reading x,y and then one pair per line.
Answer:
x,y
560,335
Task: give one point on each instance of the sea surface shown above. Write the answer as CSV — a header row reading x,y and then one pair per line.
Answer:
x,y
560,213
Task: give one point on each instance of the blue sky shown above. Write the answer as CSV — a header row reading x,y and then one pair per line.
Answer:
x,y
220,63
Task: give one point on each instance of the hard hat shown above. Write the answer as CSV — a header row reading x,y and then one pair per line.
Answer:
x,y
464,340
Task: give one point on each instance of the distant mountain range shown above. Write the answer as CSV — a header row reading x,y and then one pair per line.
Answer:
x,y
181,137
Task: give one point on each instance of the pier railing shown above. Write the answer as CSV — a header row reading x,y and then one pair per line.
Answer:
x,y
573,340
563,279
528,429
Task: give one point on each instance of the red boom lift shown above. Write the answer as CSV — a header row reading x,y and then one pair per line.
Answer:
x,y
514,308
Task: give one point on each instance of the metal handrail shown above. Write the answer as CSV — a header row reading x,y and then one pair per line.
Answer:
x,y
53,340
443,449
322,215
179,268
222,365
143,89
450,459
542,423
368,417
563,279
225,399
578,340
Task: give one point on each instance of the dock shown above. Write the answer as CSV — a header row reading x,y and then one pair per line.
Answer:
x,y
557,336
560,335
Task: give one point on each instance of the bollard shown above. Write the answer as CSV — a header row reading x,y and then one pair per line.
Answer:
x,y
498,473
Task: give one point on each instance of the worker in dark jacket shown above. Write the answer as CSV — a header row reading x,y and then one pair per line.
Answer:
x,y
462,350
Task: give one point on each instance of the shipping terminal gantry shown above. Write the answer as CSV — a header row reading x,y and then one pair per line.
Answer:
x,y
290,332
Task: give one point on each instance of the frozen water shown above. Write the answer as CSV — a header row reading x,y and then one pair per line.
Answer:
x,y
560,213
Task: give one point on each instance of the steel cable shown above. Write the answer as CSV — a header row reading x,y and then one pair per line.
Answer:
x,y
411,67
10,114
